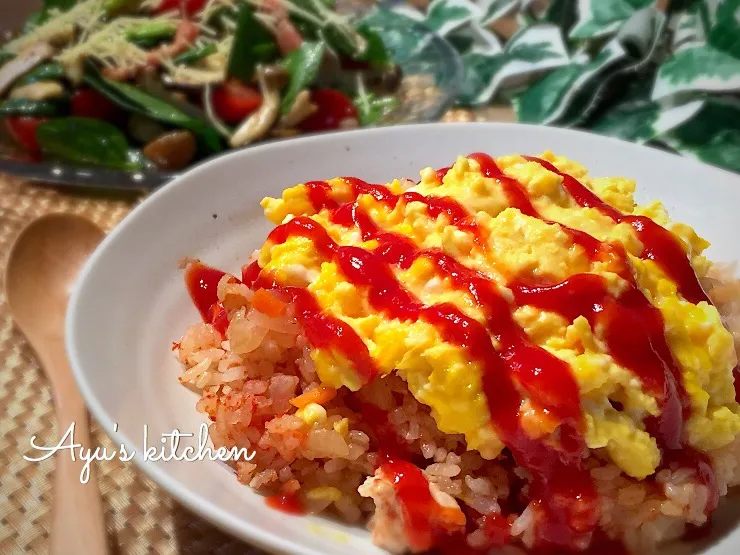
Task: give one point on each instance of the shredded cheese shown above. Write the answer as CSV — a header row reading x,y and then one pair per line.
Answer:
x,y
208,70
325,16
106,41
212,6
185,75
109,45
61,26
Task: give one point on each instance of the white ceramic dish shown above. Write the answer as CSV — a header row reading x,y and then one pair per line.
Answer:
x,y
130,303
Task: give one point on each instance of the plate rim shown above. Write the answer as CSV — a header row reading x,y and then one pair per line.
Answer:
x,y
208,510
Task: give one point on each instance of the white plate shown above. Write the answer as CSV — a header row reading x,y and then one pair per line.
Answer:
x,y
130,303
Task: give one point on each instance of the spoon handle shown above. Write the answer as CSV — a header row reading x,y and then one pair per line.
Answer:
x,y
78,520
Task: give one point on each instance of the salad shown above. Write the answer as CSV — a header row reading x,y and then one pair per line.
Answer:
x,y
160,84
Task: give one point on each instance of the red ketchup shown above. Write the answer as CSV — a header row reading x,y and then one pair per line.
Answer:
x,y
320,196
660,245
518,198
287,503
425,520
559,478
219,318
439,175
382,430
323,330
202,283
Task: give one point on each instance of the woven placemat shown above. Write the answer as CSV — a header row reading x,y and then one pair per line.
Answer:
x,y
140,517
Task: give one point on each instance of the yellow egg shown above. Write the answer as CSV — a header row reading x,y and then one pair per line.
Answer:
x,y
312,414
342,427
442,375
324,493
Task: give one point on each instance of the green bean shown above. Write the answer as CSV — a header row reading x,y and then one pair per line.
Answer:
x,y
25,107
50,71
152,31
194,54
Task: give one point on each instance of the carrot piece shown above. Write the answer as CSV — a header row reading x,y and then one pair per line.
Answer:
x,y
451,517
320,395
268,304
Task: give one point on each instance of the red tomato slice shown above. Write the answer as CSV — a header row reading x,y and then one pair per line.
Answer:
x,y
234,101
333,108
89,103
189,7
23,131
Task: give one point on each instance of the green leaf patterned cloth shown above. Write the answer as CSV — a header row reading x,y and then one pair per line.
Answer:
x,y
665,73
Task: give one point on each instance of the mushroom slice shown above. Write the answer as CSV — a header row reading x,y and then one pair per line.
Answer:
x,y
301,109
213,119
277,76
284,133
40,90
259,123
192,77
171,151
24,62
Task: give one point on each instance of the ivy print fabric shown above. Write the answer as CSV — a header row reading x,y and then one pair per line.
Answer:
x,y
666,73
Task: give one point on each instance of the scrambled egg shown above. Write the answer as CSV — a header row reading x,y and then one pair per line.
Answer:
x,y
442,376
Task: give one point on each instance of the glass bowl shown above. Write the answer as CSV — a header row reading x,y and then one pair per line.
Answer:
x,y
432,73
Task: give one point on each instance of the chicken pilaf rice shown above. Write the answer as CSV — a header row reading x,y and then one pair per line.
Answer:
x,y
507,354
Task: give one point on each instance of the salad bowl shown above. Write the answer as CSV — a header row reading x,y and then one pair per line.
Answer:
x,y
103,126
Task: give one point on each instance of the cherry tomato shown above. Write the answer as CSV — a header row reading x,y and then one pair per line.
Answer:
x,y
23,131
189,7
333,108
89,103
234,101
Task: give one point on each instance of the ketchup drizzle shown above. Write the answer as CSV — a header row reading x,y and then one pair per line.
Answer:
x,y
288,503
633,328
561,491
424,518
325,331
439,175
558,478
202,283
512,188
555,389
319,193
518,198
660,245
320,198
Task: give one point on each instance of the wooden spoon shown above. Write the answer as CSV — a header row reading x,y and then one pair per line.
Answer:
x,y
42,266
